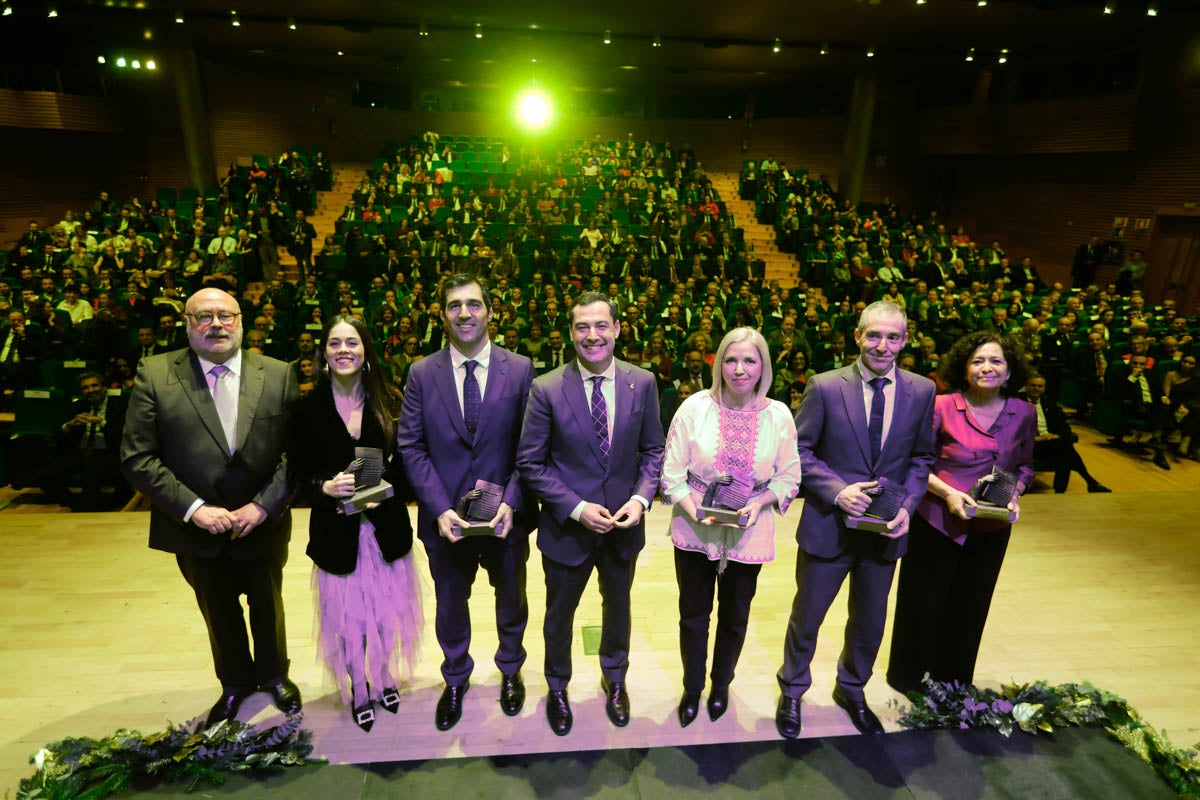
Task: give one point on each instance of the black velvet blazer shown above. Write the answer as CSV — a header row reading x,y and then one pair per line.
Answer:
x,y
318,447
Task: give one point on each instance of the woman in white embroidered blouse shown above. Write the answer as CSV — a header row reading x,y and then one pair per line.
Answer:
x,y
731,430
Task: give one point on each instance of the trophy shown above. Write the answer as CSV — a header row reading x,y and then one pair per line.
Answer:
x,y
992,493
887,497
724,496
369,485
478,507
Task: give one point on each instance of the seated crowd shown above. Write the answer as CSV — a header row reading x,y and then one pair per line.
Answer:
x,y
639,221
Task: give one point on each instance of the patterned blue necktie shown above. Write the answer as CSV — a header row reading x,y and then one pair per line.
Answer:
x,y
471,398
600,418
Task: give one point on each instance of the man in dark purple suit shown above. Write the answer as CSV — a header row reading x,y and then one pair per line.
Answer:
x,y
460,423
856,426
592,450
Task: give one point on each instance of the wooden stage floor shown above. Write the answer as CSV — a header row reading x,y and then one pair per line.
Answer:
x,y
102,633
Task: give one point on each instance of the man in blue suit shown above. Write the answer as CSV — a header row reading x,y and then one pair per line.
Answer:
x,y
855,427
592,450
447,445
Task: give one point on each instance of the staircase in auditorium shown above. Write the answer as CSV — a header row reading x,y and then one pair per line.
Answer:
x,y
779,266
346,179
783,267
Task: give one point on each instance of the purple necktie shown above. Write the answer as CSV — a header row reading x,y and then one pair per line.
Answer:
x,y
226,403
600,418
875,425
471,398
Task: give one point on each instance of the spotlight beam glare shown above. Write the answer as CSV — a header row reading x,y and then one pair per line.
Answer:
x,y
534,109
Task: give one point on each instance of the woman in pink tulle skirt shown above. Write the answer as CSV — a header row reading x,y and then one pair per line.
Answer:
x,y
367,596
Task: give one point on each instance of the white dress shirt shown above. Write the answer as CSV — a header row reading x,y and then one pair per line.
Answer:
x,y
482,362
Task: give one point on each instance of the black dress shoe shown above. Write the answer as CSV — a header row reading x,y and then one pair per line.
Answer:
x,y
558,712
1160,460
227,705
616,703
449,707
787,717
861,715
689,707
390,700
364,715
512,694
1099,488
284,694
718,702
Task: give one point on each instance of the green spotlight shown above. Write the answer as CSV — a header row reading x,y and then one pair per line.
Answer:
x,y
534,109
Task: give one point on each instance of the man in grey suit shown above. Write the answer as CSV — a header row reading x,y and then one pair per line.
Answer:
x,y
592,449
447,445
204,441
856,426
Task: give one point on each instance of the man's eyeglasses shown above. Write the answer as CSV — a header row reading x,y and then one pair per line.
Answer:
x,y
207,317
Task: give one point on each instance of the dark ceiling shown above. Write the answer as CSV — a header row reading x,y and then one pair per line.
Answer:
x,y
703,44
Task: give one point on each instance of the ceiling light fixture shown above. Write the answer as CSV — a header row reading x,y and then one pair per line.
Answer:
x,y
341,53
657,41
52,13
423,30
291,23
608,37
1003,59
478,31
871,52
237,23
120,61
136,64
178,17
824,49
1152,10
971,54
982,3
777,46
920,2
1110,6
101,60
150,64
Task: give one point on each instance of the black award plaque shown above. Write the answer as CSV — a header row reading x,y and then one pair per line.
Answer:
x,y
369,485
478,507
992,493
887,498
724,497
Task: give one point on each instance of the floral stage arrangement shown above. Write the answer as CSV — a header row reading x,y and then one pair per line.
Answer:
x,y
93,769
1035,708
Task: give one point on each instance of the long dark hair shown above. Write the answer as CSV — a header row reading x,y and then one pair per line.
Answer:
x,y
380,396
